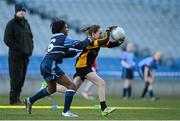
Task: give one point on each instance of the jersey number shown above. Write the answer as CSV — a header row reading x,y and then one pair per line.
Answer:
x,y
51,46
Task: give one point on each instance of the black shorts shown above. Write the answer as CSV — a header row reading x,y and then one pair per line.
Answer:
x,y
141,72
82,72
127,73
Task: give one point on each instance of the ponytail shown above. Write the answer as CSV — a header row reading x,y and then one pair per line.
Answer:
x,y
85,29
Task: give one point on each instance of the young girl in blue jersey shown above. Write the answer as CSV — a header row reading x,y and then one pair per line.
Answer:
x,y
50,66
128,69
147,69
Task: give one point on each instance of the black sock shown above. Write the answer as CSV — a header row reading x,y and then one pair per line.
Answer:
x,y
103,105
151,93
42,93
124,92
68,99
145,90
129,91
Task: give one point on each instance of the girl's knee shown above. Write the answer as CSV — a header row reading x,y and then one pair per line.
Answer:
x,y
72,86
52,90
101,83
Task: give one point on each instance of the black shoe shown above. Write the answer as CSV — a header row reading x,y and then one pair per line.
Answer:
x,y
28,105
16,103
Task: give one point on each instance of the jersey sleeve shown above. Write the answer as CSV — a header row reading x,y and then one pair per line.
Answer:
x,y
154,66
70,54
148,63
113,44
71,43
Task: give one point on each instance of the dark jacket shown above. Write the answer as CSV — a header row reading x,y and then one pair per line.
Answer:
x,y
18,37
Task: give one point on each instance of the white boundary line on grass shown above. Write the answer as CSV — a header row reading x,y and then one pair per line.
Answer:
x,y
80,107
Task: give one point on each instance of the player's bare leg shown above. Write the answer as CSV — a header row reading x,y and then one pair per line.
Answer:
x,y
77,81
94,78
125,88
145,89
130,88
61,89
150,89
87,94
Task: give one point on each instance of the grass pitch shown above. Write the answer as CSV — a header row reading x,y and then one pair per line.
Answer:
x,y
135,109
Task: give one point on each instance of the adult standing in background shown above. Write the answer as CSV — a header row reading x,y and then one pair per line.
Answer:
x,y
18,37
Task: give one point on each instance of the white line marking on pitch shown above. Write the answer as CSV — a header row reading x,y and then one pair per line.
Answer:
x,y
79,107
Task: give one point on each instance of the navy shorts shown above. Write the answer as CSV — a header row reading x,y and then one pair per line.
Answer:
x,y
50,70
82,72
127,73
141,72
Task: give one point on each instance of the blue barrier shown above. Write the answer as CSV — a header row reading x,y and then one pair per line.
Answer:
x,y
108,67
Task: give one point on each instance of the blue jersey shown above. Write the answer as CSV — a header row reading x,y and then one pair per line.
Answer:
x,y
57,50
149,62
127,59
60,44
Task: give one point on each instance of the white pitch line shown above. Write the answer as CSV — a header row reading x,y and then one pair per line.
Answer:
x,y
80,107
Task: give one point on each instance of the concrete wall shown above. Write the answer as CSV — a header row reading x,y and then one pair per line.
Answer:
x,y
114,87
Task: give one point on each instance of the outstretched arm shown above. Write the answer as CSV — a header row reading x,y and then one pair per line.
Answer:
x,y
71,43
146,70
125,64
153,74
71,53
105,42
114,44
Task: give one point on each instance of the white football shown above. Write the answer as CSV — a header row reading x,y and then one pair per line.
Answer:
x,y
118,33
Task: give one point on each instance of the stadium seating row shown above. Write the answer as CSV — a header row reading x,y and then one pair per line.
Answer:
x,y
149,24
144,26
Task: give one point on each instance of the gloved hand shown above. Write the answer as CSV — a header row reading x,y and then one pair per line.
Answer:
x,y
108,33
112,27
121,40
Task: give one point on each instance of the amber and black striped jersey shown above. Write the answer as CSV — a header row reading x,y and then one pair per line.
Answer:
x,y
89,54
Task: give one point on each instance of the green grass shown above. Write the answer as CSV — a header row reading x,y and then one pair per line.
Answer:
x,y
172,103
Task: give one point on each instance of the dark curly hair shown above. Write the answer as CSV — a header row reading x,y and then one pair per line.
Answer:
x,y
57,26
